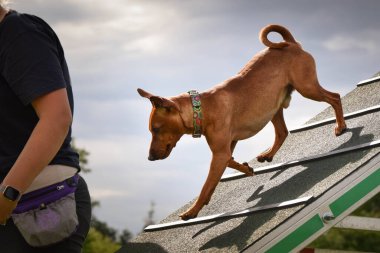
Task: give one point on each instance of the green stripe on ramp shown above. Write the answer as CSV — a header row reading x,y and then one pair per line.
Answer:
x,y
298,236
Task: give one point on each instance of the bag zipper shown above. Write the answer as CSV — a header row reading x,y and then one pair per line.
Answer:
x,y
57,188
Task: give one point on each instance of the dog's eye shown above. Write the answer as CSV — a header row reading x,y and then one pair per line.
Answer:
x,y
155,130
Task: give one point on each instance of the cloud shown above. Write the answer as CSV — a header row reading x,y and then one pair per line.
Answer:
x,y
366,40
100,118
115,25
100,194
151,44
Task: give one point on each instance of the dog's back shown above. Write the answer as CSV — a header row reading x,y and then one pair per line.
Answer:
x,y
264,84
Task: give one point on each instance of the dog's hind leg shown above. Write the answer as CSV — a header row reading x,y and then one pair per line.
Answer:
x,y
333,99
306,83
281,133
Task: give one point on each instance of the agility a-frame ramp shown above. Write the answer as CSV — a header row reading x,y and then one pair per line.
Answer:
x,y
327,211
315,181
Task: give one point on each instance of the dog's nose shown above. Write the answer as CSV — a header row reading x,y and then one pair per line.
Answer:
x,y
151,157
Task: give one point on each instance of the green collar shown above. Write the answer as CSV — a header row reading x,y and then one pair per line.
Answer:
x,y
197,113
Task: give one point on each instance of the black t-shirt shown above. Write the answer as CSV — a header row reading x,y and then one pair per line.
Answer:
x,y
32,64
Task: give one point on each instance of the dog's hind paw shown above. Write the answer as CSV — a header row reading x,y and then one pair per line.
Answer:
x,y
263,158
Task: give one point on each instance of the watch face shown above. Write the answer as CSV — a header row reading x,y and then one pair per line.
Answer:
x,y
11,193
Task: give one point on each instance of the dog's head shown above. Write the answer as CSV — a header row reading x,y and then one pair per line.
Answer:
x,y
165,124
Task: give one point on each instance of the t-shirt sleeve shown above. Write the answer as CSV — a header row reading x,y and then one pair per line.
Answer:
x,y
32,67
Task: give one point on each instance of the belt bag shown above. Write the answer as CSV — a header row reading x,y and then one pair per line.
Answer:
x,y
48,215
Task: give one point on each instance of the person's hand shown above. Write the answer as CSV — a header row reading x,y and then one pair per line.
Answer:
x,y
6,208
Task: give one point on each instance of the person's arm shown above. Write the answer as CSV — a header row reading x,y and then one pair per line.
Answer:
x,y
54,113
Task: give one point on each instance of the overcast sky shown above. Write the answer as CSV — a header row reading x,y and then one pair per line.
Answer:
x,y
169,47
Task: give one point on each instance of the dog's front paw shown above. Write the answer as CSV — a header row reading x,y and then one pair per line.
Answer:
x,y
189,214
339,130
250,169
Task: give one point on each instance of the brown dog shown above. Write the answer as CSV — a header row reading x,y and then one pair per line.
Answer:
x,y
239,108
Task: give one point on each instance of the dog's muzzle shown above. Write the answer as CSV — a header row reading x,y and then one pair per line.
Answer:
x,y
153,156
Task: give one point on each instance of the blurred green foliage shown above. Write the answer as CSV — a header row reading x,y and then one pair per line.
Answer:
x,y
96,242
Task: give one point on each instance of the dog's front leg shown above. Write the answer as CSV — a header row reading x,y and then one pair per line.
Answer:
x,y
245,168
218,165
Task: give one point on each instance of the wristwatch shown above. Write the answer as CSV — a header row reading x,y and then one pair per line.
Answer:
x,y
10,193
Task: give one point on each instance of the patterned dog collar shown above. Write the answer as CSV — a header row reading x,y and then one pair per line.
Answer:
x,y
197,113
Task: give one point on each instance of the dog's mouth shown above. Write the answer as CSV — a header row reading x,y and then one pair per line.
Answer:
x,y
154,156
168,150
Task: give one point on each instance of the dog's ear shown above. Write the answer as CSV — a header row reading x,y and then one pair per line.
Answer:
x,y
144,93
164,102
158,101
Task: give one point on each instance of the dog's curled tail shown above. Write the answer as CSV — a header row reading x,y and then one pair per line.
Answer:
x,y
286,35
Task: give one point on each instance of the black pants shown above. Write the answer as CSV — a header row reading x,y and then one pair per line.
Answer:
x,y
11,241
